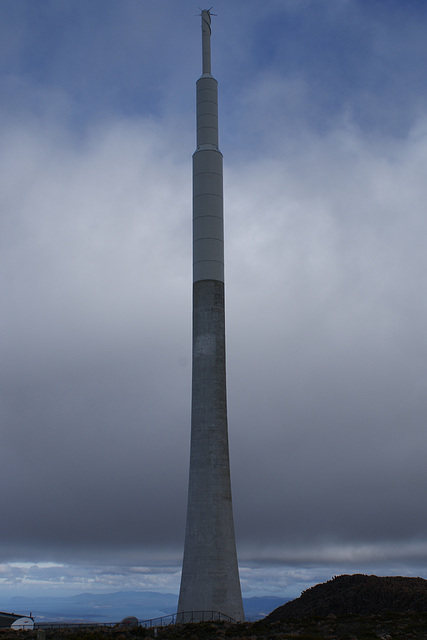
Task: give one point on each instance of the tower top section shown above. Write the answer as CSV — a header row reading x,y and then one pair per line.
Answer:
x,y
206,41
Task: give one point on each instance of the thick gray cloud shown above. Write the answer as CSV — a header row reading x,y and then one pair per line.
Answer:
x,y
89,339
325,139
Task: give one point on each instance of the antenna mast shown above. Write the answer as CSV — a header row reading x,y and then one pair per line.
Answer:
x,y
206,41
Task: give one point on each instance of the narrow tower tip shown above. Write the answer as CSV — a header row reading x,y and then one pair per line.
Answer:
x,y
206,40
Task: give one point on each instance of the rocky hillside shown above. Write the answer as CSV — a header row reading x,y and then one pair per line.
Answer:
x,y
357,595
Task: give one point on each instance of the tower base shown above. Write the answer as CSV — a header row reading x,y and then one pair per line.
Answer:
x,y
210,576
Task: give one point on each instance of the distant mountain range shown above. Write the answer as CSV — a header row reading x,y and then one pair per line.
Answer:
x,y
113,607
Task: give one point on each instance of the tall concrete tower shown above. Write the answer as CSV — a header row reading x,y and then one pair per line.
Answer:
x,y
210,575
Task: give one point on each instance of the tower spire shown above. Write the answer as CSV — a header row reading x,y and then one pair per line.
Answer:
x,y
210,575
206,41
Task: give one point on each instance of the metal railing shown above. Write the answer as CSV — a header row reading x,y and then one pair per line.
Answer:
x,y
186,616
72,625
183,617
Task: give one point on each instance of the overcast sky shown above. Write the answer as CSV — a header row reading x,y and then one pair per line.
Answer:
x,y
323,127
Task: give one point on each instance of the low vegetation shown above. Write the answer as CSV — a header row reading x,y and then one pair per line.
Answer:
x,y
351,627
